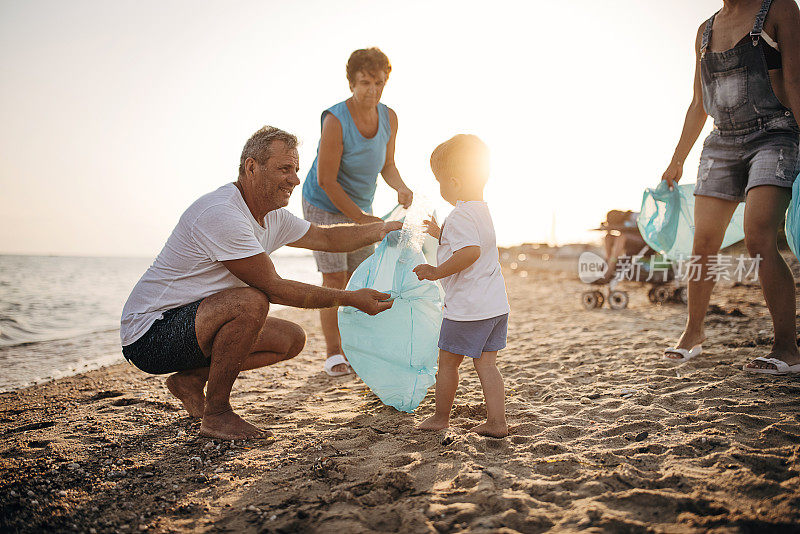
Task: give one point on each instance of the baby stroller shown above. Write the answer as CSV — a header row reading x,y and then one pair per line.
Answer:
x,y
629,258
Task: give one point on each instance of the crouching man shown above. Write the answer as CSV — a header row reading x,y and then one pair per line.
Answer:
x,y
200,310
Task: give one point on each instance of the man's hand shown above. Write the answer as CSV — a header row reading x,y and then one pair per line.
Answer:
x,y
390,226
405,196
673,173
369,301
431,228
426,272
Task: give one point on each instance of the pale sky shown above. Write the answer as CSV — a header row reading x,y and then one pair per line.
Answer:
x,y
116,115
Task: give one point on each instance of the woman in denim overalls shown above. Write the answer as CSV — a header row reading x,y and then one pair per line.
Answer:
x,y
748,79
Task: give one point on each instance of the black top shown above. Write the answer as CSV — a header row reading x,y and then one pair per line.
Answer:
x,y
771,55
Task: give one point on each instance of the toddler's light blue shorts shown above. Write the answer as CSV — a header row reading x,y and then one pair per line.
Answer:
x,y
471,338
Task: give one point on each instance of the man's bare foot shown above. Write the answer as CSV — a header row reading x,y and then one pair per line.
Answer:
x,y
789,356
434,423
228,425
493,430
189,389
687,341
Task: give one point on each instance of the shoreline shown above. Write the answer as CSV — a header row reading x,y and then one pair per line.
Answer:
x,y
605,434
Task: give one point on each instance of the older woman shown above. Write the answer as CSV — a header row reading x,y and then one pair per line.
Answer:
x,y
748,79
357,143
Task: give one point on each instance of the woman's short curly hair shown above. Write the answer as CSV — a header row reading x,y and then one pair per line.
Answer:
x,y
368,60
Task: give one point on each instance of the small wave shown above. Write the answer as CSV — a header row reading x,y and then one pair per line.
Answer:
x,y
8,342
45,371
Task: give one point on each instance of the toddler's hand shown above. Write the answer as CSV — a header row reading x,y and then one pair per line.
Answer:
x,y
426,272
431,228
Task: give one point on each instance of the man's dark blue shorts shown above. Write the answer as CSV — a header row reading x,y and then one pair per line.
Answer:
x,y
170,345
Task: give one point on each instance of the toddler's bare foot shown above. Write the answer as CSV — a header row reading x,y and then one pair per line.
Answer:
x,y
188,388
228,425
493,430
434,423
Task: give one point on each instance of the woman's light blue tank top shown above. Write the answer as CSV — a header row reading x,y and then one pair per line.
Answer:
x,y
362,160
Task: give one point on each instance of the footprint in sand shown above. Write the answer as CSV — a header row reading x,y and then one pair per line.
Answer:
x,y
31,426
100,395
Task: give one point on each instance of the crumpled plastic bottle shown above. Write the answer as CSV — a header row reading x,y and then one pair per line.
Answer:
x,y
395,352
666,221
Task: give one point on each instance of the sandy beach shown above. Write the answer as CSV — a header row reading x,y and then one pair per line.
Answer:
x,y
606,436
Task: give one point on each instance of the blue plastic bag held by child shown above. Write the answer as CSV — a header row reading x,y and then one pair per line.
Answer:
x,y
793,219
666,221
395,352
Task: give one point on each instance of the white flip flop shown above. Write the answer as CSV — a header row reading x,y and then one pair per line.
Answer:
x,y
782,368
335,360
685,354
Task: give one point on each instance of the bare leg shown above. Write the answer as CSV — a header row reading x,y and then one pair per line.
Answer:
x,y
228,326
762,218
494,395
330,321
614,247
446,385
711,218
608,245
188,387
279,340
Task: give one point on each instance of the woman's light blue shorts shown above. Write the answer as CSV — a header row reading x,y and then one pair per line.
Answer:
x,y
471,338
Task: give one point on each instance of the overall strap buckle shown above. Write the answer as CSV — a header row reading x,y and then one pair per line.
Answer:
x,y
758,25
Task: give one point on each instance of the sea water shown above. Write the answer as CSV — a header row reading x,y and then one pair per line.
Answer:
x,y
60,315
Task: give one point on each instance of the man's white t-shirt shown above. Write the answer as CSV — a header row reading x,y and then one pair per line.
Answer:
x,y
479,291
217,227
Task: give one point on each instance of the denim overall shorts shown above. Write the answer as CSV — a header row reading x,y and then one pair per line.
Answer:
x,y
755,138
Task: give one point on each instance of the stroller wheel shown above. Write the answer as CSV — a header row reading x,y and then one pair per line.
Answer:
x,y
590,301
618,300
682,295
600,299
660,294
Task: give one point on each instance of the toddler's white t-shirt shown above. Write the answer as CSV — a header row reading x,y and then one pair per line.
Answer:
x,y
479,291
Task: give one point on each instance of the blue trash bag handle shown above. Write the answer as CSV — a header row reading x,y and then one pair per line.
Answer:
x,y
671,198
372,268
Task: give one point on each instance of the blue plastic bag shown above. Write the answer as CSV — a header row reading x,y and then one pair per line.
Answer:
x,y
666,221
793,219
395,352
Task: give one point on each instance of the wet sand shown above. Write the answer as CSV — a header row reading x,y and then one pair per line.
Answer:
x,y
606,436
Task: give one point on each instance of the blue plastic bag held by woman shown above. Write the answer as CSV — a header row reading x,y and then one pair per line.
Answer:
x,y
395,352
666,221
793,219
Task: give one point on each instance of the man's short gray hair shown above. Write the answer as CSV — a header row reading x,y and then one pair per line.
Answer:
x,y
257,147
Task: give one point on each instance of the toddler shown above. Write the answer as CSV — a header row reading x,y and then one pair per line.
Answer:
x,y
475,303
